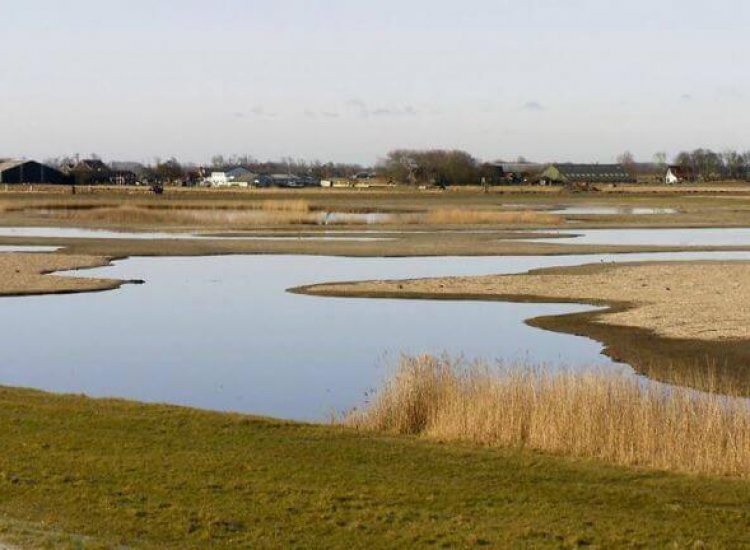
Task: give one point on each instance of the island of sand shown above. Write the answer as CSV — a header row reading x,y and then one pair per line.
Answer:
x,y
32,273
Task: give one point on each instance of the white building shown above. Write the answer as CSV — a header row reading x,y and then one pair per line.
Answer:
x,y
678,174
222,179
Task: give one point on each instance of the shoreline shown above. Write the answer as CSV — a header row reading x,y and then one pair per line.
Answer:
x,y
640,347
660,356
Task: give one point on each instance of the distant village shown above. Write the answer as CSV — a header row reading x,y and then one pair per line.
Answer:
x,y
425,168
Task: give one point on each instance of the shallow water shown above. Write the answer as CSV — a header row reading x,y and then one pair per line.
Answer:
x,y
82,233
222,333
725,236
14,248
612,211
367,218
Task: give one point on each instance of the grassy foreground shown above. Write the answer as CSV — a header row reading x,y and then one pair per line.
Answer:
x,y
97,473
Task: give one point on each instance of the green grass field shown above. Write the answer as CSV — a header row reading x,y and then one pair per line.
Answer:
x,y
76,472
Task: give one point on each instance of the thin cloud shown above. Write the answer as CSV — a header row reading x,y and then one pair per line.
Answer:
x,y
325,114
363,110
261,112
359,106
533,106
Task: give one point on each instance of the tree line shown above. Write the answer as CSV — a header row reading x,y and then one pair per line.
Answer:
x,y
709,165
440,167
171,169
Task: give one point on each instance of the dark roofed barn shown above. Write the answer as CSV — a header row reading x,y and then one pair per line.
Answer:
x,y
92,165
586,173
29,171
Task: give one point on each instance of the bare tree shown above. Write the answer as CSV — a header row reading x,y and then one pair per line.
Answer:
x,y
628,161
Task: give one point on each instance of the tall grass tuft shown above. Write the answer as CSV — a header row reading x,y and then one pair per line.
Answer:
x,y
613,417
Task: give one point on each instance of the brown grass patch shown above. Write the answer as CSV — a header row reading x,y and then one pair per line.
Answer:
x,y
460,216
613,417
269,212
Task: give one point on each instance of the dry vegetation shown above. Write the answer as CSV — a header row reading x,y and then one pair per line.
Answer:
x,y
248,214
613,417
460,216
268,212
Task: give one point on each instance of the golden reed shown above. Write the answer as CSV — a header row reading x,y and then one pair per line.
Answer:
x,y
613,417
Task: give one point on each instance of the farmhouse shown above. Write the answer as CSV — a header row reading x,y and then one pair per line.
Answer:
x,y
29,171
96,172
236,177
678,174
586,173
239,172
514,172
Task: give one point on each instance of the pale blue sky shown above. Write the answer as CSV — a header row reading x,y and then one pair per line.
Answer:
x,y
349,80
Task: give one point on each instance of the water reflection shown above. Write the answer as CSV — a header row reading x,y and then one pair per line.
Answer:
x,y
222,333
725,236
612,211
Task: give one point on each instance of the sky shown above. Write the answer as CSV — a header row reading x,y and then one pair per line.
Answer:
x,y
349,80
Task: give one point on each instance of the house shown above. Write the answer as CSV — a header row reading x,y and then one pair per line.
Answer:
x,y
227,179
363,176
92,165
513,172
679,174
217,179
286,180
123,177
29,171
586,173
237,173
246,179
91,172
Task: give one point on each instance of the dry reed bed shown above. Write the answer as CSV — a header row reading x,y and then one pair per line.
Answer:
x,y
284,205
270,212
265,212
462,216
612,417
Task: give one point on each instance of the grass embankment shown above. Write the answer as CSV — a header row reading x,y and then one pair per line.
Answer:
x,y
93,473
617,418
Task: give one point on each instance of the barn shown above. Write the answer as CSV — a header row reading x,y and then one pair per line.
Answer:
x,y
586,173
29,171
